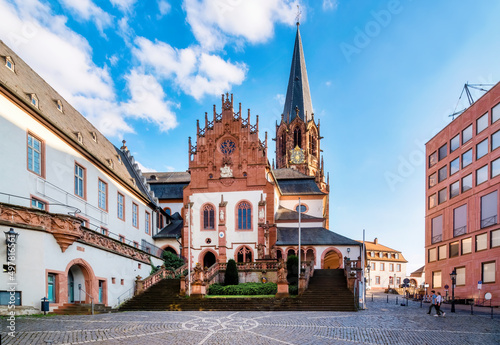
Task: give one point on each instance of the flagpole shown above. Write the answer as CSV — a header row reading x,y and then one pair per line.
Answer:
x,y
300,213
189,248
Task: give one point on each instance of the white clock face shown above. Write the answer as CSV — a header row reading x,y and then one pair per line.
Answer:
x,y
221,234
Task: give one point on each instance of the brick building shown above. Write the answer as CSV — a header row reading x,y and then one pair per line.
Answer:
x,y
462,190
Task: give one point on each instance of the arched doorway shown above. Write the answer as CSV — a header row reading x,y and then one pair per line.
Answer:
x,y
332,260
209,259
170,249
79,275
76,280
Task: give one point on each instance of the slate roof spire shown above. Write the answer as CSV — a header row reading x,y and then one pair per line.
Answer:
x,y
298,94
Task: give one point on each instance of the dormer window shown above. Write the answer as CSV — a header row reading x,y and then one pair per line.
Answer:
x,y
94,136
80,137
380,254
59,105
119,158
34,100
9,63
396,255
111,164
372,254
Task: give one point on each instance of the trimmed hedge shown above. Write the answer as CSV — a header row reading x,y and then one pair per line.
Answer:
x,y
243,289
231,275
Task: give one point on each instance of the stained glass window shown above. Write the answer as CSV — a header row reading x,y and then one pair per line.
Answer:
x,y
227,147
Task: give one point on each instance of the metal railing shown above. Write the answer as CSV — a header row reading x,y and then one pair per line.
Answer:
x,y
85,292
460,231
126,296
488,221
437,238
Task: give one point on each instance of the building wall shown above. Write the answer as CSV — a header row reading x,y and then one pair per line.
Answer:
x,y
37,254
56,186
234,237
472,262
384,276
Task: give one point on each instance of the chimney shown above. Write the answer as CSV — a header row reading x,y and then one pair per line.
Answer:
x,y
375,241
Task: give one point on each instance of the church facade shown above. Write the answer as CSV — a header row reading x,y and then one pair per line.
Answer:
x,y
85,221
236,205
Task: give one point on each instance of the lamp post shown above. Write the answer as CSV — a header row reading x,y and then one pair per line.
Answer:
x,y
453,276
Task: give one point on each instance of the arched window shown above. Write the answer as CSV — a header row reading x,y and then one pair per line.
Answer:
x,y
303,208
283,144
167,211
244,216
244,254
208,217
297,137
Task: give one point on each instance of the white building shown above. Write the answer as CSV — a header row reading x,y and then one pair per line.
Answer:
x,y
386,266
83,212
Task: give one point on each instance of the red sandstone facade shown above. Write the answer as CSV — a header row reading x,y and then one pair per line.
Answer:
x,y
462,230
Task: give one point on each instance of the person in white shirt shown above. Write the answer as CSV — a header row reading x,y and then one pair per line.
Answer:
x,y
439,300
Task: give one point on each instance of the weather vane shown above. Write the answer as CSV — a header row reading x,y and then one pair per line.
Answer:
x,y
299,12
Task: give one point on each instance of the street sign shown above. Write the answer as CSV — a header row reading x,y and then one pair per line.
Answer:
x,y
479,285
406,280
487,296
446,287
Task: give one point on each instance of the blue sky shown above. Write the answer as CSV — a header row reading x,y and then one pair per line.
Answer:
x,y
384,76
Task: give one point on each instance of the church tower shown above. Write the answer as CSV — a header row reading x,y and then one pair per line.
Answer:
x,y
298,135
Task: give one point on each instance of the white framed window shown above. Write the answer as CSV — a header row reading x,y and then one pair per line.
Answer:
x,y
103,195
35,203
148,223
135,215
9,63
59,105
120,206
35,154
34,100
79,181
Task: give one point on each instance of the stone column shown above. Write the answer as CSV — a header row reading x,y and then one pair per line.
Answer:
x,y
222,230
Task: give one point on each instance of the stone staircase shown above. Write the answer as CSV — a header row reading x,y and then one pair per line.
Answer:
x,y
80,309
327,292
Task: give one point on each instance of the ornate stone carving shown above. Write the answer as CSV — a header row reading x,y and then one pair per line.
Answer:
x,y
281,272
261,215
226,171
221,216
260,250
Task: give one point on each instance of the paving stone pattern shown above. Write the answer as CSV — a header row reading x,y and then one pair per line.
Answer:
x,y
381,323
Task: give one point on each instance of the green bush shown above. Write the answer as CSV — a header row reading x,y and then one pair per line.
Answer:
x,y
231,275
172,261
292,266
293,289
243,289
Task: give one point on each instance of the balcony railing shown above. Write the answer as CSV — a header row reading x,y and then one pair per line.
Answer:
x,y
460,231
488,221
437,238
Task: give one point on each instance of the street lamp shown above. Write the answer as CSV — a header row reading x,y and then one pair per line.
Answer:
x,y
453,276
348,251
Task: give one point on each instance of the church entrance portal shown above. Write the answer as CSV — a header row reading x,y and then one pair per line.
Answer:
x,y
332,260
209,259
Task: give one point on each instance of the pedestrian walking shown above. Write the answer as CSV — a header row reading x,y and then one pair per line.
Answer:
x,y
433,301
439,300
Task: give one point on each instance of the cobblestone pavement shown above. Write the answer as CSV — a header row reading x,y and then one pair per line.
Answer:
x,y
381,323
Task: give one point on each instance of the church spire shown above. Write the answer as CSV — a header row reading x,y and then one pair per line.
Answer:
x,y
297,94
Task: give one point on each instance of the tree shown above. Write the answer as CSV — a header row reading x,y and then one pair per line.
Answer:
x,y
231,276
172,261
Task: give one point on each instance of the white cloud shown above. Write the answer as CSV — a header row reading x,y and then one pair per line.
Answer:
x,y
328,83
193,71
280,98
329,5
87,10
164,7
214,22
64,59
148,101
123,5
